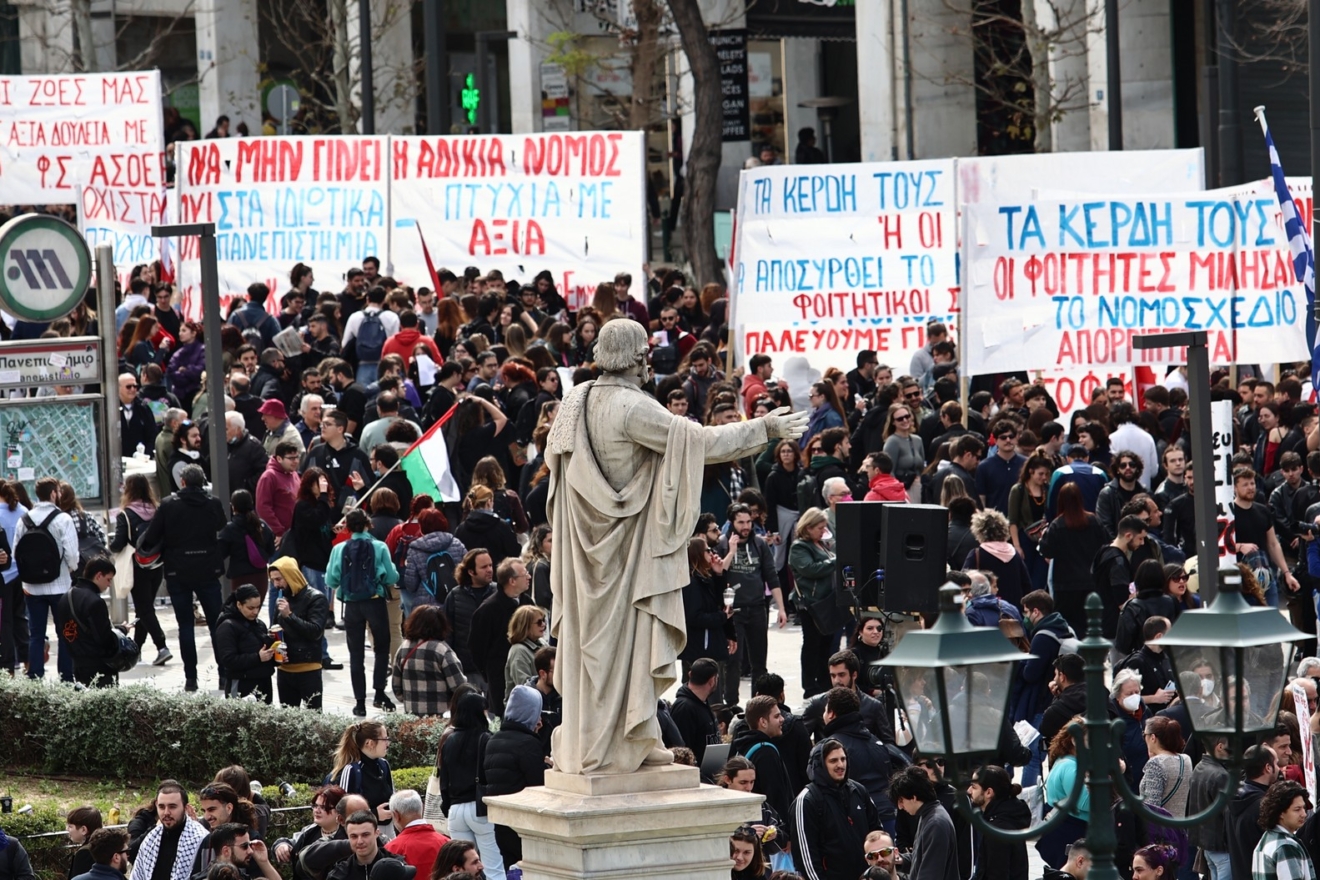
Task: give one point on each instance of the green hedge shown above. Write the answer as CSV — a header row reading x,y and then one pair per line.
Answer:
x,y
138,732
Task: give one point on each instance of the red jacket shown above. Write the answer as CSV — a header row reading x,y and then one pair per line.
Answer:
x,y
418,845
277,492
403,343
886,487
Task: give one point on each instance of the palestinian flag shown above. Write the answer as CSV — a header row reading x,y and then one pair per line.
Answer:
x,y
426,464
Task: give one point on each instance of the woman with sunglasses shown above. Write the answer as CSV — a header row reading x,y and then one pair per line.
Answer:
x,y
903,446
745,850
1175,583
709,621
528,631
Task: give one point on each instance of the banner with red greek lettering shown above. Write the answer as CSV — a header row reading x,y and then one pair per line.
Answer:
x,y
835,259
570,203
1067,282
279,201
573,204
94,130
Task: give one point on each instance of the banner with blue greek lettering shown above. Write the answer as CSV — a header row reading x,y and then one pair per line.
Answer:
x,y
1067,282
834,259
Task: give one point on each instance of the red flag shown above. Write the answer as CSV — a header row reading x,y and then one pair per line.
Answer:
x,y
430,267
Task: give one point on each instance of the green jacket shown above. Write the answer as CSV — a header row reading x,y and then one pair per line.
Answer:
x,y
386,573
813,570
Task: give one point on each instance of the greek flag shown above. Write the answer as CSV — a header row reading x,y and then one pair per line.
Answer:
x,y
1299,243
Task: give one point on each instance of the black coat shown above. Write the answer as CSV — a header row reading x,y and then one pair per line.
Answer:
x,y
1243,831
771,776
513,760
708,627
999,860
483,528
304,625
234,548
139,427
695,721
1057,715
247,462
874,716
238,642
185,528
93,639
868,760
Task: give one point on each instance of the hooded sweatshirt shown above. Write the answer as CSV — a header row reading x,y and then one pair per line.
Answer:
x,y
304,625
277,493
483,528
830,821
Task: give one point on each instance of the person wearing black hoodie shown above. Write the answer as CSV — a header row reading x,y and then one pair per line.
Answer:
x,y
488,638
755,743
831,818
996,795
185,528
243,646
482,527
834,449
1152,600
691,710
87,632
1260,770
868,761
514,760
476,582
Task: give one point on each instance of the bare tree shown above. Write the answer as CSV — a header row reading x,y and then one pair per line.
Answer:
x,y
322,39
68,40
704,153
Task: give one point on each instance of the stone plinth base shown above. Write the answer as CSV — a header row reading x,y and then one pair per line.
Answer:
x,y
657,822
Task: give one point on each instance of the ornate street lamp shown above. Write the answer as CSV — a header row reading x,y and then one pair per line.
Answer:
x,y
969,671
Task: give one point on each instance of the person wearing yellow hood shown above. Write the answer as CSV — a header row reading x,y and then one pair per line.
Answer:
x,y
303,614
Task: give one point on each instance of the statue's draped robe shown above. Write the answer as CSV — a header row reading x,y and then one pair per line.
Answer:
x,y
623,503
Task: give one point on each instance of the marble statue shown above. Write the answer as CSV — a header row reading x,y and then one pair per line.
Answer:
x,y
625,494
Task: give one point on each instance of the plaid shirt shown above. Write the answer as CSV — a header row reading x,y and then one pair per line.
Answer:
x,y
425,676
1281,856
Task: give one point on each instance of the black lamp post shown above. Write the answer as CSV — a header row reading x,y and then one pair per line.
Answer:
x,y
971,669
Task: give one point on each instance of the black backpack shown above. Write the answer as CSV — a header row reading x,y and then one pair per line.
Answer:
x,y
808,492
664,359
38,554
357,580
438,576
1127,637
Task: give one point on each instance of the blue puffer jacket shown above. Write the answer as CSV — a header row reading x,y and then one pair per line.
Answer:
x,y
986,611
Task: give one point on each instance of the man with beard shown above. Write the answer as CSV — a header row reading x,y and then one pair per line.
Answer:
x,y
109,848
749,566
169,848
831,818
231,844
220,805
996,796
1253,529
187,450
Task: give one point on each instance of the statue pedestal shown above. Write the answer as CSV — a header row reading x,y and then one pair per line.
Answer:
x,y
657,822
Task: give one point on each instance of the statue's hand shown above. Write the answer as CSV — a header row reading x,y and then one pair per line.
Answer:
x,y
783,423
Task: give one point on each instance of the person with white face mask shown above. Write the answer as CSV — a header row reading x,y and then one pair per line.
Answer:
x,y
1125,703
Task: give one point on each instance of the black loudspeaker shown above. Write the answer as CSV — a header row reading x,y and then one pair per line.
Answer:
x,y
914,540
857,526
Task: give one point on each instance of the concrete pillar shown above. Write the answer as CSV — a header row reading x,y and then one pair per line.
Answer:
x,y
392,65
534,20
104,34
45,32
801,66
1068,70
1145,34
942,110
227,63
877,86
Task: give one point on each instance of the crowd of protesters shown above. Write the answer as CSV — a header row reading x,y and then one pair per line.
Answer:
x,y
324,391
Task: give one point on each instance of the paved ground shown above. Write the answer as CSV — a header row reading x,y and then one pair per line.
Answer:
x,y
784,646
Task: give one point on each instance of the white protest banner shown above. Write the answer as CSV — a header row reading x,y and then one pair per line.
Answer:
x,y
1072,389
1303,711
570,203
95,130
1069,282
278,201
835,259
1221,427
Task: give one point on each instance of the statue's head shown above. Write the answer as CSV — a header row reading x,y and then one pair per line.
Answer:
x,y
622,347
